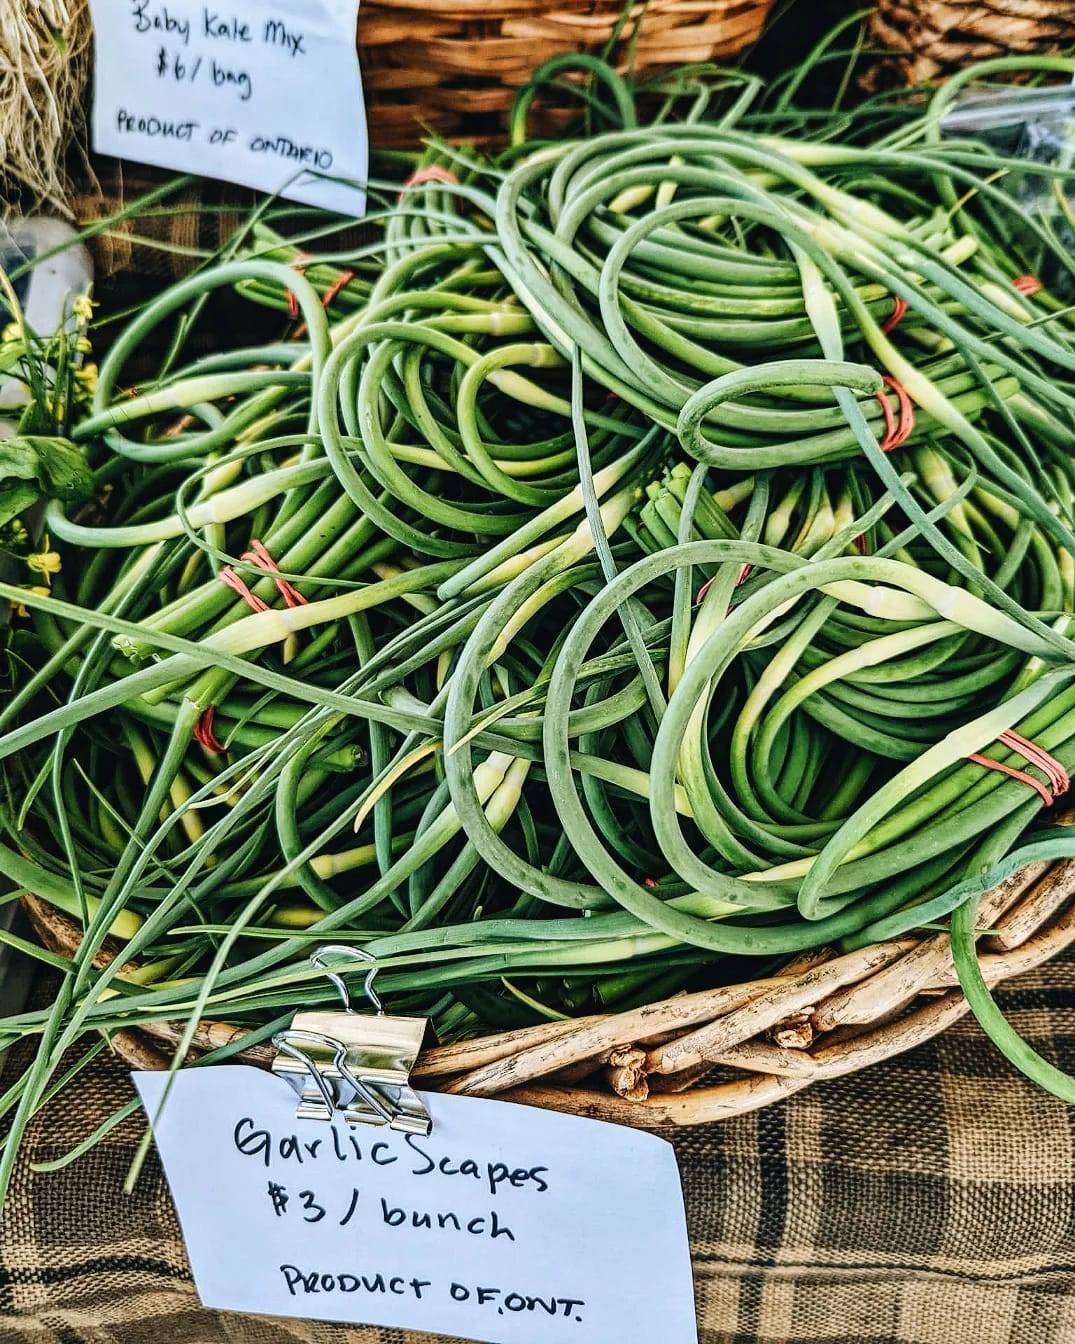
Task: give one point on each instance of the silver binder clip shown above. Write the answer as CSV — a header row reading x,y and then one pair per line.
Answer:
x,y
352,1066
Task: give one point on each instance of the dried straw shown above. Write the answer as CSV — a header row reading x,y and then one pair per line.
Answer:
x,y
44,67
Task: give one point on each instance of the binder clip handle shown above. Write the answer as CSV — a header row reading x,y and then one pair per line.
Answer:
x,y
358,954
350,1065
285,1043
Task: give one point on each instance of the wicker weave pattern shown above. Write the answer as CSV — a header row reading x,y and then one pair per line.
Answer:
x,y
707,1056
931,38
454,65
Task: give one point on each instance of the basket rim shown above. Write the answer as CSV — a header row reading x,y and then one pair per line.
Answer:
x,y
824,1014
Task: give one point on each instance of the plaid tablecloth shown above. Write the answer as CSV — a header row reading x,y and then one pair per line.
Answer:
x,y
930,1200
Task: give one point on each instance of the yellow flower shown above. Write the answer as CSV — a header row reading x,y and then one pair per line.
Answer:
x,y
11,334
20,609
45,563
82,307
86,378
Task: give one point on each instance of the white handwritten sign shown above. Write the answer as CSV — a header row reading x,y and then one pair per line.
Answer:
x,y
266,93
505,1224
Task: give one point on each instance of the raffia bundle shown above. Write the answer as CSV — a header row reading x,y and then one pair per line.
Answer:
x,y
44,65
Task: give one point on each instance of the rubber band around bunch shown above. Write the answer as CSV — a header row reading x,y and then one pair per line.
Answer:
x,y
258,555
1056,775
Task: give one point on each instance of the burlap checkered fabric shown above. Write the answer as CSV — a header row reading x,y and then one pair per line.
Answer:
x,y
167,239
930,1200
140,248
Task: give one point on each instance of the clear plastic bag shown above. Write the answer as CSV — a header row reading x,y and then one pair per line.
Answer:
x,y
1038,126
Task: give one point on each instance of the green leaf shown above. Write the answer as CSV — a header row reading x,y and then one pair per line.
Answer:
x,y
19,458
15,499
40,466
63,469
11,358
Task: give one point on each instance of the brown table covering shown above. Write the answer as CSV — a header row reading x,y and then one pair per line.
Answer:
x,y
930,1200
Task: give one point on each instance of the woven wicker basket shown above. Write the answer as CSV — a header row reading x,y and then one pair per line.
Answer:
x,y
721,1052
931,38
454,65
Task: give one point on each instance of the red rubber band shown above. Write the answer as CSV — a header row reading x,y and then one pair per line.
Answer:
x,y
899,311
890,422
258,555
1013,773
337,285
1027,284
1059,783
896,432
860,544
744,574
302,260
430,174
229,576
203,731
1048,764
907,417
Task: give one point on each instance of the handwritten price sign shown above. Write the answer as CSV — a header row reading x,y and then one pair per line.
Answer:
x,y
505,1224
266,93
